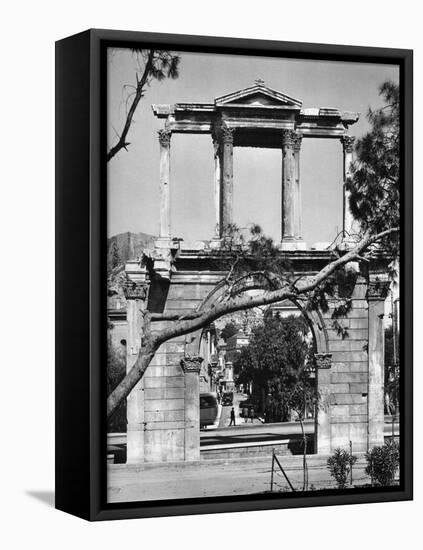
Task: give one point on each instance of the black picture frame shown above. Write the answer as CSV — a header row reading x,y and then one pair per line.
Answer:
x,y
80,278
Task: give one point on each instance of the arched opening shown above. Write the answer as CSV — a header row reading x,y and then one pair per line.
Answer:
x,y
259,356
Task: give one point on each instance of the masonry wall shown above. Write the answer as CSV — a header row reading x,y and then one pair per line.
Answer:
x,y
168,419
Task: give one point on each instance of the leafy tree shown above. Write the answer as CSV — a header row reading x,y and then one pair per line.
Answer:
x,y
154,65
273,361
375,181
229,330
299,397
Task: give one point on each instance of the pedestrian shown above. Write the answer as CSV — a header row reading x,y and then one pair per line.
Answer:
x,y
232,417
251,414
245,414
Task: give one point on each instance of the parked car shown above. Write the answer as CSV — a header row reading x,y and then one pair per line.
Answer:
x,y
208,409
228,398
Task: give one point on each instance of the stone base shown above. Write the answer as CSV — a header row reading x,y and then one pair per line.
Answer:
x,y
293,244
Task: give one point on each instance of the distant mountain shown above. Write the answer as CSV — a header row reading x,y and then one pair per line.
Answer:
x,y
127,246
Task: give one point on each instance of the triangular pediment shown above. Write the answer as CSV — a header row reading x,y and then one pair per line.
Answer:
x,y
258,95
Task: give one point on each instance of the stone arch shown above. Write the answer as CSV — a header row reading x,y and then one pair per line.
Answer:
x,y
314,318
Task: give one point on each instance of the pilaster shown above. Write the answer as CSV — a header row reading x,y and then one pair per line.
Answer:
x,y
191,367
322,423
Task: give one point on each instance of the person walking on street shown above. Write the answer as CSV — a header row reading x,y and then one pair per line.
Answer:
x,y
232,417
245,414
251,414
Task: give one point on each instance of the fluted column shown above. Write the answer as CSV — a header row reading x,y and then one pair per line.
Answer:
x,y
297,198
349,225
164,139
288,189
227,188
217,187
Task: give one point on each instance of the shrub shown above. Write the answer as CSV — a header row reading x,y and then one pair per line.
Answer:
x,y
340,464
383,463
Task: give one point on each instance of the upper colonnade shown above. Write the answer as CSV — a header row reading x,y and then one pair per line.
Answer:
x,y
256,116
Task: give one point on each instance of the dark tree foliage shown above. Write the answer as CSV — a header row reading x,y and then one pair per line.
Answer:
x,y
229,330
113,257
375,182
383,463
274,361
152,65
340,464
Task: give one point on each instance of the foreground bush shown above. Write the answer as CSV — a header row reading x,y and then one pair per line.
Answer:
x,y
383,463
340,464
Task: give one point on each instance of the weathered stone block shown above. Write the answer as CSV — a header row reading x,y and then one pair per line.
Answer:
x,y
340,435
339,388
359,388
351,356
165,382
163,405
347,345
358,436
172,347
348,377
353,333
164,393
349,419
339,410
168,425
359,323
171,370
347,399
164,445
182,305
358,409
164,416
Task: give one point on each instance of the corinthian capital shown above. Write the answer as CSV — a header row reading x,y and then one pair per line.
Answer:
x,y
135,290
191,364
297,141
288,138
228,134
378,290
164,137
323,360
348,143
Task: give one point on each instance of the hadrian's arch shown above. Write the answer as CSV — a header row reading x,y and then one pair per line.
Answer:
x,y
163,419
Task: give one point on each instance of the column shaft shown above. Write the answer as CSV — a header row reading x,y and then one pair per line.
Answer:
x,y
349,226
297,200
288,186
217,188
164,138
227,179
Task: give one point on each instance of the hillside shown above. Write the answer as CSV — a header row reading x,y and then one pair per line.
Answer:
x,y
126,246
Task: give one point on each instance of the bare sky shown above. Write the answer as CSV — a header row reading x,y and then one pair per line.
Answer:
x,y
133,176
